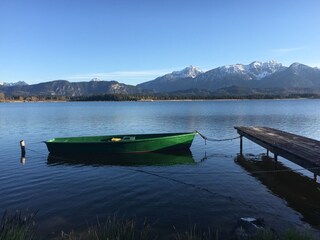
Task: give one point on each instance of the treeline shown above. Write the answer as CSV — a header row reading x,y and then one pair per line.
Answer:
x,y
155,97
163,97
15,98
107,97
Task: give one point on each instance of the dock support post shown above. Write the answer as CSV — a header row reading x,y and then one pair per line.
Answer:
x,y
241,145
267,152
315,177
275,157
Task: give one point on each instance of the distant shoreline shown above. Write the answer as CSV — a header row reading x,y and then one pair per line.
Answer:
x,y
17,101
158,100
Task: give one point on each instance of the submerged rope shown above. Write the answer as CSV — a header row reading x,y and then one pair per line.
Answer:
x,y
215,139
236,172
157,173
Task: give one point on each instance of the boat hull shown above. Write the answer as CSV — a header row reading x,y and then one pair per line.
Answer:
x,y
101,145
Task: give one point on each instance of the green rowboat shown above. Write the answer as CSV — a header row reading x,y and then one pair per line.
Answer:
x,y
133,143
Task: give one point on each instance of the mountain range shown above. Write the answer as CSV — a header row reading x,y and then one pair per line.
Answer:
x,y
65,88
256,77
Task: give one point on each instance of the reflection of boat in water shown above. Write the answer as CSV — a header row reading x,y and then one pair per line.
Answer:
x,y
300,192
136,143
147,159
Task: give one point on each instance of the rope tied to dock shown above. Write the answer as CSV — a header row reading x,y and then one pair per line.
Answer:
x,y
215,139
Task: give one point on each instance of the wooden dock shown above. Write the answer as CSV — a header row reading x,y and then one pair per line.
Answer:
x,y
303,151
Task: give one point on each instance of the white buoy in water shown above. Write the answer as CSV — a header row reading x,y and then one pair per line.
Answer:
x,y
23,148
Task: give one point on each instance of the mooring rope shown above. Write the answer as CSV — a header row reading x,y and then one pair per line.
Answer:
x,y
215,139
31,143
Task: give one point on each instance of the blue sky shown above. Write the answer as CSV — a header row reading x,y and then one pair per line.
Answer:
x,y
132,41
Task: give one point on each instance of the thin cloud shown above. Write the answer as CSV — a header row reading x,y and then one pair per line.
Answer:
x,y
288,50
122,75
313,64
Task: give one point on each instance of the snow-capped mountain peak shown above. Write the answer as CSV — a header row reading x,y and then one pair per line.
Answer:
x,y
255,70
261,70
296,65
232,69
190,71
256,64
298,68
20,83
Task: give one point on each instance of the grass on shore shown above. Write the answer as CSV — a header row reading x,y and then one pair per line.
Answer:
x,y
114,228
18,227
194,233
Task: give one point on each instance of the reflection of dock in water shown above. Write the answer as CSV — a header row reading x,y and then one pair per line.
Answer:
x,y
145,159
301,193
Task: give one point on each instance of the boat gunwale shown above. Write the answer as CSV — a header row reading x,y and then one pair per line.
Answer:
x,y
171,135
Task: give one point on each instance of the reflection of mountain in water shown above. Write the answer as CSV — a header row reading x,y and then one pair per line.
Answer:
x,y
147,159
300,192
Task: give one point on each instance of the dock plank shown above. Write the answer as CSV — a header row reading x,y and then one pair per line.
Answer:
x,y
298,149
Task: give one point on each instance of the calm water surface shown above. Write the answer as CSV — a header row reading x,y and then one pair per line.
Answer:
x,y
209,186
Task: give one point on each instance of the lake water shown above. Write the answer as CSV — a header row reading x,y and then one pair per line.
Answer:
x,y
209,187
